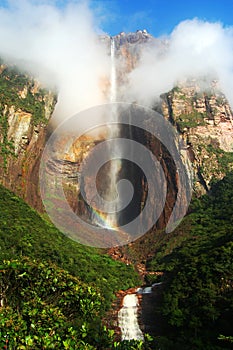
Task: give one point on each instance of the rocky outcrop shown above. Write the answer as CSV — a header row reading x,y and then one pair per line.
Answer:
x,y
205,120
25,111
124,39
128,48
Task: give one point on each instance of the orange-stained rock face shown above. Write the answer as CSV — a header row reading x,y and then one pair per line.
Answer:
x,y
79,149
129,59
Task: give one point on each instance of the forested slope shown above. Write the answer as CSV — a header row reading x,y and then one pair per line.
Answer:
x,y
198,274
53,291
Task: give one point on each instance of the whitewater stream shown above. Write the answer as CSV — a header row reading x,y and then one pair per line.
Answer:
x,y
128,314
128,318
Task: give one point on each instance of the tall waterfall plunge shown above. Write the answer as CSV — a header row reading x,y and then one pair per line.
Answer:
x,y
111,195
113,87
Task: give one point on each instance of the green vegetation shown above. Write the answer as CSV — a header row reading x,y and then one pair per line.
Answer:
x,y
45,307
12,82
190,120
176,89
54,291
215,162
24,233
6,146
224,159
198,274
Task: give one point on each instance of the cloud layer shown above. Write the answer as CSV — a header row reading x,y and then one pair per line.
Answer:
x,y
194,49
60,46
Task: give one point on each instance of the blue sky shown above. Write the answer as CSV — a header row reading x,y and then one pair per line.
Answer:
x,y
159,16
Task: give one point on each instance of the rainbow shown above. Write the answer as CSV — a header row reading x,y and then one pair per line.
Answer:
x,y
103,220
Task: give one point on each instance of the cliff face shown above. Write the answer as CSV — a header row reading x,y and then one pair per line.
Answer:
x,y
198,110
25,109
202,116
205,121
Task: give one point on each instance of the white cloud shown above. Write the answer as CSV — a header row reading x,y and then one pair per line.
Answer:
x,y
194,49
60,47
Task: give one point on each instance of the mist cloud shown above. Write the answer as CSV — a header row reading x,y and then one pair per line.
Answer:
x,y
60,47
194,49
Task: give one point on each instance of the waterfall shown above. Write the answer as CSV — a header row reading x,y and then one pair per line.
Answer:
x,y
128,318
148,290
113,87
115,166
109,220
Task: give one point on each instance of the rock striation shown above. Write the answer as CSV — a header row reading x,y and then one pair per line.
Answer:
x,y
25,112
205,120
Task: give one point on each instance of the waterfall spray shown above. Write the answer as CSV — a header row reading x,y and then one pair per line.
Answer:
x,y
115,166
113,88
111,217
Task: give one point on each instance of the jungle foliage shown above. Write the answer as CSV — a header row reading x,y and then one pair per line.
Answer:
x,y
54,291
198,274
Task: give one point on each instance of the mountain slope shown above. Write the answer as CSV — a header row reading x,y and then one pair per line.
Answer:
x,y
198,273
23,232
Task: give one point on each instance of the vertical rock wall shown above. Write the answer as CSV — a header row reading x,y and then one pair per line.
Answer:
x,y
25,109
